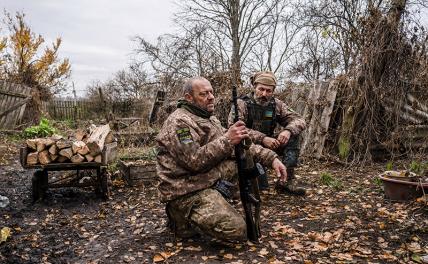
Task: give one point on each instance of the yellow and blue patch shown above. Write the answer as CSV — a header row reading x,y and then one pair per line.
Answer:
x,y
184,135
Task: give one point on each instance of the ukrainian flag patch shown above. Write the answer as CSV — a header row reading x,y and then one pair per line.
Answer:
x,y
184,135
268,114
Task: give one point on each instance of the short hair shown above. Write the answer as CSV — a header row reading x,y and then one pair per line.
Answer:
x,y
188,84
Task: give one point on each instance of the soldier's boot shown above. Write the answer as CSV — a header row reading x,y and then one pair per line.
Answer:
x,y
179,225
291,186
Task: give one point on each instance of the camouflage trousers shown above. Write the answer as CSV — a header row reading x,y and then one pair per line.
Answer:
x,y
209,213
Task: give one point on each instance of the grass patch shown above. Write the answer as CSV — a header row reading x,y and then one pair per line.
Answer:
x,y
389,166
420,168
328,180
377,182
143,153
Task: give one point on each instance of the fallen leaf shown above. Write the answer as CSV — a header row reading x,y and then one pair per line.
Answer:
x,y
191,248
158,258
4,234
272,244
263,252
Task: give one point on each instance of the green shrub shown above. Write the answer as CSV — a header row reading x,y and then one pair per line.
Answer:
x,y
418,167
344,148
389,166
328,180
44,129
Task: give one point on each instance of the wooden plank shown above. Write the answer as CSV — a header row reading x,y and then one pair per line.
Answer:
x,y
13,94
329,99
135,172
4,105
109,153
13,108
8,104
317,114
11,98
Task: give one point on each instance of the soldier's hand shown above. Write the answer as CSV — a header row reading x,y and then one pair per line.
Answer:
x,y
280,170
237,132
284,136
271,143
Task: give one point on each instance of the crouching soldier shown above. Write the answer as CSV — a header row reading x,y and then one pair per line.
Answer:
x,y
262,113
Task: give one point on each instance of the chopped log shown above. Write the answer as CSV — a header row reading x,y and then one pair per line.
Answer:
x,y
63,143
97,138
109,138
53,156
40,146
84,150
62,159
77,145
77,158
48,142
67,152
32,143
80,134
56,137
109,153
91,128
89,158
32,158
43,143
44,157
98,159
53,150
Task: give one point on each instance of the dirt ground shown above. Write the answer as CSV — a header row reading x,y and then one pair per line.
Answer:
x,y
347,221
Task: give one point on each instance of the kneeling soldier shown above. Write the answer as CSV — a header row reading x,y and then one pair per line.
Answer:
x,y
195,158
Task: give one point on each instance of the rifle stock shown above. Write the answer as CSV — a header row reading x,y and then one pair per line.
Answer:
x,y
250,196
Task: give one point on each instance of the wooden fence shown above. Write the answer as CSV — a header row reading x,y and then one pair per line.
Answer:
x,y
68,109
84,109
13,101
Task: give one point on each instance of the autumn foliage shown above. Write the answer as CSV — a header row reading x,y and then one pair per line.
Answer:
x,y
25,59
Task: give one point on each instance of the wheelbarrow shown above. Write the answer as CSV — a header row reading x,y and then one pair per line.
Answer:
x,y
42,180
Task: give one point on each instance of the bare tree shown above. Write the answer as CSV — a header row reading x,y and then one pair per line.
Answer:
x,y
275,51
238,24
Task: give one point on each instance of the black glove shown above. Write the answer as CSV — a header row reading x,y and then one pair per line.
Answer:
x,y
225,188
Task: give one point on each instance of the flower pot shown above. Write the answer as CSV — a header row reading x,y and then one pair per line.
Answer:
x,y
402,188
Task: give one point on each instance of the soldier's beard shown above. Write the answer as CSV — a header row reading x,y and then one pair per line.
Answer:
x,y
262,100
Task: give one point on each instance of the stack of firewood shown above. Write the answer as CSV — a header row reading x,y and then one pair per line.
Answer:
x,y
83,146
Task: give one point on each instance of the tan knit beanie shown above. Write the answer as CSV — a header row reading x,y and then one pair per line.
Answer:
x,y
264,77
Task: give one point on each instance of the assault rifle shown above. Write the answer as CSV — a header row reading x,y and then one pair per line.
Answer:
x,y
248,186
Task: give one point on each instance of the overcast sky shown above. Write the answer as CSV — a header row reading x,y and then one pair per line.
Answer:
x,y
96,34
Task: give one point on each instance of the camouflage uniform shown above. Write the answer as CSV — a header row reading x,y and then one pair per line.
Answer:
x,y
285,117
194,154
273,113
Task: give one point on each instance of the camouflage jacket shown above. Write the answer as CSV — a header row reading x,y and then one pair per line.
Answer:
x,y
285,117
194,153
